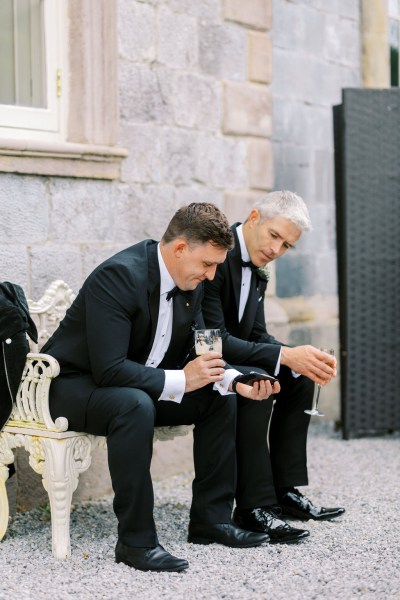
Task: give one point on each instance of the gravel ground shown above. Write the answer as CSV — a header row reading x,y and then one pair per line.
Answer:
x,y
357,556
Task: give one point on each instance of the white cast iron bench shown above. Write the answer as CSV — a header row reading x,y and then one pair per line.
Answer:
x,y
58,455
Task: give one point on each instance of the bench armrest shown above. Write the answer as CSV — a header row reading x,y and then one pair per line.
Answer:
x,y
31,407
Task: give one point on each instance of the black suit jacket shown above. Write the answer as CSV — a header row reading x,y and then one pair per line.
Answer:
x,y
15,323
107,334
246,342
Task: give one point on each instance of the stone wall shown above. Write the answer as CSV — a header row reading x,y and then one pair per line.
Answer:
x,y
316,53
195,117
195,100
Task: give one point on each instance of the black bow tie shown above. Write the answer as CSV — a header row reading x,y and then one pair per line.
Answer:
x,y
254,269
249,264
172,293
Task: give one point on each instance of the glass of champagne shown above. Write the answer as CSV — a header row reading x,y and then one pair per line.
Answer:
x,y
314,409
207,340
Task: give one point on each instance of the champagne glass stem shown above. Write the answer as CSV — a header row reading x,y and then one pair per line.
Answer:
x,y
315,407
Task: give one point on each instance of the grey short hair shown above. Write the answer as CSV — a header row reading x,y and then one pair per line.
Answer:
x,y
285,204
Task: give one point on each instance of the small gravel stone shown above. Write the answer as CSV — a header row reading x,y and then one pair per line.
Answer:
x,y
356,556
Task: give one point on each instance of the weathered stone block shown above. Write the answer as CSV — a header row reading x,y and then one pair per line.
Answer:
x,y
261,172
351,8
143,163
294,170
144,212
187,194
294,273
205,9
221,162
54,262
247,109
177,39
196,101
255,13
178,156
136,31
24,209
82,210
350,43
238,204
15,265
332,42
305,125
141,95
324,175
259,61
95,254
285,34
222,50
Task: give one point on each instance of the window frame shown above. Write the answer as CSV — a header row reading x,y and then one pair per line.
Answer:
x,y
22,122
85,145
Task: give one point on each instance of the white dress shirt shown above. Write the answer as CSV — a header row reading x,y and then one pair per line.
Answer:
x,y
175,380
245,286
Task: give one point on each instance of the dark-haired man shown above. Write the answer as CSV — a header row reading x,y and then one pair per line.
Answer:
x,y
124,348
271,464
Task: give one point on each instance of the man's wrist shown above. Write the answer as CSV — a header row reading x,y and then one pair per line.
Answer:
x,y
284,355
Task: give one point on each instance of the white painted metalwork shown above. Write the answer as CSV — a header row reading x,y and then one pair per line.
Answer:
x,y
57,454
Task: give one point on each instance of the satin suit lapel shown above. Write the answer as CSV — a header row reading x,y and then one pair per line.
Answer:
x,y
235,269
257,288
153,294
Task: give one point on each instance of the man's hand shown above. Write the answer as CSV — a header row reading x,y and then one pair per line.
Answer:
x,y
206,368
260,390
308,360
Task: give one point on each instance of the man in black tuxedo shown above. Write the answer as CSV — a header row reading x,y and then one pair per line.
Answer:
x,y
270,463
125,348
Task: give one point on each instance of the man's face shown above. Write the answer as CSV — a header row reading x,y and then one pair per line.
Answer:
x,y
267,240
195,263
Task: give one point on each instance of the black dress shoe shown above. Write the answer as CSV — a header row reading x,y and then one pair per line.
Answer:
x,y
294,504
149,559
266,519
226,534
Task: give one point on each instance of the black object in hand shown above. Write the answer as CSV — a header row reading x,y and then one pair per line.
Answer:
x,y
252,377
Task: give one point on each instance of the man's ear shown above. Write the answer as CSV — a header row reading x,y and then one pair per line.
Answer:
x,y
179,246
254,217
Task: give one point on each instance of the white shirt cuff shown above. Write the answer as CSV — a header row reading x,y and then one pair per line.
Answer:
x,y
174,386
278,367
222,386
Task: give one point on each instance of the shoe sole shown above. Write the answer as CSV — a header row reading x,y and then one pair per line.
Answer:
x,y
172,570
206,541
301,517
290,540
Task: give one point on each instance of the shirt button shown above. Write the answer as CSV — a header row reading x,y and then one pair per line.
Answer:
x,y
171,397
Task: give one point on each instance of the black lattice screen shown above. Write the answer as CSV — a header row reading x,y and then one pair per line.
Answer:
x,y
367,161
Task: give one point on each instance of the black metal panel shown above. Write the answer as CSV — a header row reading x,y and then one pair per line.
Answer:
x,y
367,163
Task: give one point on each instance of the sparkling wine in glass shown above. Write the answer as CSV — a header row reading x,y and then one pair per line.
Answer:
x,y
207,340
314,409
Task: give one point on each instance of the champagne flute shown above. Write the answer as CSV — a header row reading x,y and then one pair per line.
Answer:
x,y
314,409
207,340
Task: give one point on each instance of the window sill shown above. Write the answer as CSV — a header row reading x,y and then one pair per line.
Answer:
x,y
62,159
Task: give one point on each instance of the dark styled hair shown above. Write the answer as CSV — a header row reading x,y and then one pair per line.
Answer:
x,y
200,222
